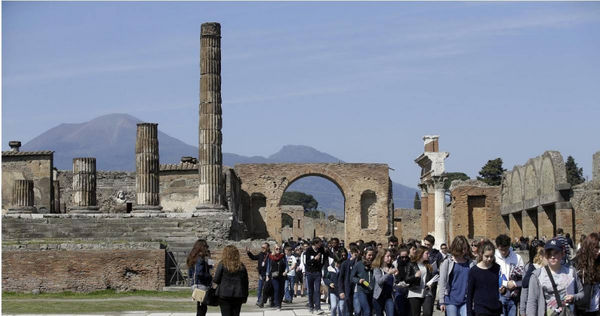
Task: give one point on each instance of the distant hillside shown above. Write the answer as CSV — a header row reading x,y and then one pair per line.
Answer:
x,y
111,139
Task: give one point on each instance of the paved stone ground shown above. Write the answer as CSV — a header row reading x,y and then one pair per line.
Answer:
x,y
298,308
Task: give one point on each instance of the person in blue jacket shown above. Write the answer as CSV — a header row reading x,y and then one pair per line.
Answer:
x,y
363,279
331,280
198,271
346,288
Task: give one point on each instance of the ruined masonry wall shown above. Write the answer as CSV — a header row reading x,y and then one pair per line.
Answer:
x,y
410,225
36,168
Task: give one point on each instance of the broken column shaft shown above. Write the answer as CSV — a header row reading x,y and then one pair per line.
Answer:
x,y
210,138
84,186
22,197
147,169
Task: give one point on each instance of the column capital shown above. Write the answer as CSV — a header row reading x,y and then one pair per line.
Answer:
x,y
438,182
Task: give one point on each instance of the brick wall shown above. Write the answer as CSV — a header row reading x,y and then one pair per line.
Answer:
x,y
83,270
475,210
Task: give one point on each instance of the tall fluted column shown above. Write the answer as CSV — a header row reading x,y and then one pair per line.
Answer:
x,y
22,197
84,186
147,168
210,165
440,211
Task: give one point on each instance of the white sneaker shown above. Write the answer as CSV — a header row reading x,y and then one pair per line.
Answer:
x,y
320,312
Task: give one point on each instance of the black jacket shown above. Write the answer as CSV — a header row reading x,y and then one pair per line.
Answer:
x,y
277,268
345,281
231,285
262,262
315,265
416,281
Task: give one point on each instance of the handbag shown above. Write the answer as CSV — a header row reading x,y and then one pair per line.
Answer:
x,y
198,295
211,298
565,310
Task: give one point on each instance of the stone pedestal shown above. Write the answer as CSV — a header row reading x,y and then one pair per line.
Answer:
x,y
546,222
564,217
440,212
147,169
210,164
84,186
22,197
529,220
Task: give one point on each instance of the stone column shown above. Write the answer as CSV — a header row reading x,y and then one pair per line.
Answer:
x,y
440,211
546,222
431,208
56,186
147,168
22,197
84,186
516,229
424,210
564,217
528,220
210,139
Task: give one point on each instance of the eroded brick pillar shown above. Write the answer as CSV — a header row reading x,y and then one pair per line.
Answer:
x,y
210,139
516,230
564,217
147,164
22,197
546,222
528,220
84,186
424,212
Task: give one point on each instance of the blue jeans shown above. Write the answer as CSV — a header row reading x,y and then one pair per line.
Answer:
x,y
509,306
364,300
313,283
289,288
384,304
334,305
456,310
261,282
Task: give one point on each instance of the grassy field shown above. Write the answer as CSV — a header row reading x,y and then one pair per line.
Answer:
x,y
100,302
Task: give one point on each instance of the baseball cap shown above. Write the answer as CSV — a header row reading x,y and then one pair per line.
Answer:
x,y
554,244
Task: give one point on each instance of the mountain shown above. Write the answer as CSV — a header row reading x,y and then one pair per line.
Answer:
x,y
111,139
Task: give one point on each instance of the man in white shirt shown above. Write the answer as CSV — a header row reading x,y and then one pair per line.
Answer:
x,y
511,274
290,273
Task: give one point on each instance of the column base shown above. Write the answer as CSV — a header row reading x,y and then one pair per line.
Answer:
x,y
84,209
147,209
208,207
22,210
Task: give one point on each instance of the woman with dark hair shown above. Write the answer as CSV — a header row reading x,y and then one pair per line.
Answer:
x,y
198,271
232,277
587,263
454,274
554,287
419,279
537,259
482,285
277,266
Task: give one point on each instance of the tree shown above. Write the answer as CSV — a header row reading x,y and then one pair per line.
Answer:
x,y
574,174
491,173
417,202
299,198
451,176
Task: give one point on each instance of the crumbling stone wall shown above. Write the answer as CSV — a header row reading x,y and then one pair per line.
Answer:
x,y
36,166
409,224
475,210
83,270
586,202
271,181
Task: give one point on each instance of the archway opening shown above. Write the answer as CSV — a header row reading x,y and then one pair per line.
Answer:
x,y
312,206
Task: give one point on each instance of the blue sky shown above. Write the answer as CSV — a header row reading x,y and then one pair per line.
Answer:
x,y
361,81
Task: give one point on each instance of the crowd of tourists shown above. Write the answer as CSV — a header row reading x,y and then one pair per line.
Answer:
x,y
476,277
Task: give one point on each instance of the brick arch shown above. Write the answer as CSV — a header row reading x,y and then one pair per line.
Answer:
x,y
272,180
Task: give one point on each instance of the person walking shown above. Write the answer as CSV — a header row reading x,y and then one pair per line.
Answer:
x,y
331,280
419,279
290,274
454,276
384,273
362,278
402,306
512,270
555,286
277,266
198,271
587,263
483,283
261,258
315,258
537,259
231,277
346,286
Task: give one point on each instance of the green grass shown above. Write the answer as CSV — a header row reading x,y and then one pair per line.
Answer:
x,y
97,294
